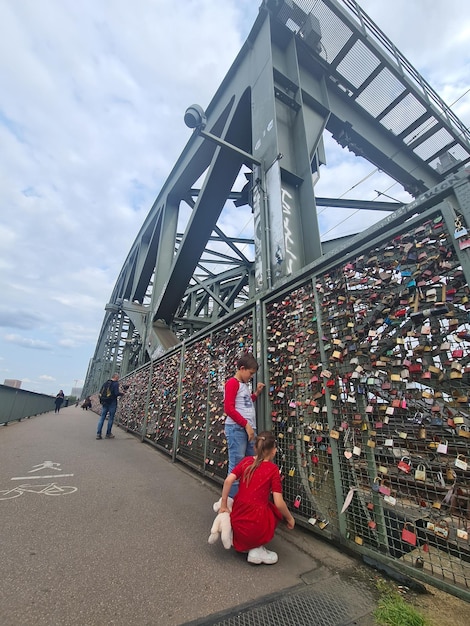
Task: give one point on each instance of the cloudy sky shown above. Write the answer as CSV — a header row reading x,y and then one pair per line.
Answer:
x,y
92,98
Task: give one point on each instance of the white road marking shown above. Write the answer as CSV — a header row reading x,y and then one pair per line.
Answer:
x,y
46,465
35,477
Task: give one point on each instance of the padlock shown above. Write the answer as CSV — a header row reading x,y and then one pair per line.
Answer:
x,y
384,490
440,479
441,529
405,465
450,475
464,431
420,473
442,447
461,232
408,535
297,501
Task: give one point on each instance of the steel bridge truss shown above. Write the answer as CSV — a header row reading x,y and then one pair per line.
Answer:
x,y
308,68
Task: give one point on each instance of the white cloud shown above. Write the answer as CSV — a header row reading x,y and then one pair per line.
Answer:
x,y
26,342
68,343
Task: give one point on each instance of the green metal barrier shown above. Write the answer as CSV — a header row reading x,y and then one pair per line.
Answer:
x,y
366,365
17,404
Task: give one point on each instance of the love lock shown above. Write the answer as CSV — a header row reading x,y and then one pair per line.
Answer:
x,y
460,230
405,465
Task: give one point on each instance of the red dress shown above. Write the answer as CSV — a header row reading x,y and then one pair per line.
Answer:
x,y
254,517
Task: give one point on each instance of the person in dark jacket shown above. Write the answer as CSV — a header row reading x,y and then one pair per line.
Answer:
x,y
109,407
59,399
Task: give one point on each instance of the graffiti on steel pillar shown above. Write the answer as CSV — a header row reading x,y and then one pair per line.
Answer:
x,y
283,243
277,246
287,215
257,237
275,240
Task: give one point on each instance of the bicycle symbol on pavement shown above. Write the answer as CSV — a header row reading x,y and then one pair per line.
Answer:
x,y
49,489
52,489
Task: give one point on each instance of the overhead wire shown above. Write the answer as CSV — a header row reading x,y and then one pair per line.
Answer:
x,y
376,169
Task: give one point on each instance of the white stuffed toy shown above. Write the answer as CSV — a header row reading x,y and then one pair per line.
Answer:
x,y
222,525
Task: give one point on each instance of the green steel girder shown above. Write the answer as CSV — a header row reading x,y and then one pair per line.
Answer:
x,y
307,67
218,293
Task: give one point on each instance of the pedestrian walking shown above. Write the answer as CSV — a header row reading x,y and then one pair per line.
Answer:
x,y
59,399
108,397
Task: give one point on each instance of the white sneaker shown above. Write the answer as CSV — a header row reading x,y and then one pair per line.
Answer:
x,y
261,555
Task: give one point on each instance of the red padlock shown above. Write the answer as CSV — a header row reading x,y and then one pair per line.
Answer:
x,y
408,535
405,465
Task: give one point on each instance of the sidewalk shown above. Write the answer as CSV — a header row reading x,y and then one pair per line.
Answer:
x,y
125,544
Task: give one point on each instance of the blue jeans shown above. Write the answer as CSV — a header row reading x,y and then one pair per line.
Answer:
x,y
107,408
238,448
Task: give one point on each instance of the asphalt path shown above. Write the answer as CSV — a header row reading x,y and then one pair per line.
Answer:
x,y
111,532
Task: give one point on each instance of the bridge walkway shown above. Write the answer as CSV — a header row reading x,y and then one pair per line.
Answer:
x,y
111,532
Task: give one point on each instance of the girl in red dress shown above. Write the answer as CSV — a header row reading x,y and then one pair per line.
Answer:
x,y
254,516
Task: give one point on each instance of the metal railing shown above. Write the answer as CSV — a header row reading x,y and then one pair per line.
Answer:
x,y
366,360
16,404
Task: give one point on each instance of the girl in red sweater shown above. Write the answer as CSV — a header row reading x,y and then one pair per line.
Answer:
x,y
254,516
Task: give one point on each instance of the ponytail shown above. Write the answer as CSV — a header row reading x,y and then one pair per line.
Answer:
x,y
264,444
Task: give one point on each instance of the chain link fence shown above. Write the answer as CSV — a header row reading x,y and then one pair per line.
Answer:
x,y
366,365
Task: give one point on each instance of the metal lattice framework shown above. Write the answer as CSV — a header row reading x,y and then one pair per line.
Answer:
x,y
307,67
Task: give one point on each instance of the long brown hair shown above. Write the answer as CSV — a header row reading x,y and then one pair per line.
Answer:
x,y
265,442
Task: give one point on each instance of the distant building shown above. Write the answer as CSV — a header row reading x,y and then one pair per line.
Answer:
x,y
11,382
77,392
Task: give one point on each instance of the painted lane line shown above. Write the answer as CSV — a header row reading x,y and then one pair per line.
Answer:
x,y
36,477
